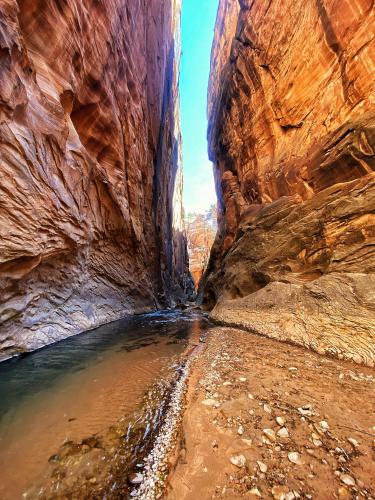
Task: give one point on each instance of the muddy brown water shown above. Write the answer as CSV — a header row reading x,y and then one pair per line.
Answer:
x,y
80,387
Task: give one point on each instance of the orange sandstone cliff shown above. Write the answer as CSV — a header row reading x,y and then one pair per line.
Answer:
x,y
200,233
91,219
292,135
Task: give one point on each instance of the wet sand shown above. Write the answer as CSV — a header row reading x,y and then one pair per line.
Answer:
x,y
321,446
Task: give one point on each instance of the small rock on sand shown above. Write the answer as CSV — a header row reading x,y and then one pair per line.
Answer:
x,y
270,433
283,432
353,442
348,480
295,457
324,426
280,421
209,402
248,442
238,460
255,492
267,408
262,467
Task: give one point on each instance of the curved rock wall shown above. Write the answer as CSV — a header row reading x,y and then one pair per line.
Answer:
x,y
292,135
90,177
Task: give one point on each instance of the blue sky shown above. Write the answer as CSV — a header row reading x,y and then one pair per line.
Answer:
x,y
198,20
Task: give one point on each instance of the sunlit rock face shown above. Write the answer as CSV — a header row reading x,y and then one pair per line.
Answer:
x,y
90,180
200,231
292,135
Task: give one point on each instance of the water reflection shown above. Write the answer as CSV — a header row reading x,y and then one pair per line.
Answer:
x,y
80,386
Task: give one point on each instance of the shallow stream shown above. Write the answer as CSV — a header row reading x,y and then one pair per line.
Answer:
x,y
80,387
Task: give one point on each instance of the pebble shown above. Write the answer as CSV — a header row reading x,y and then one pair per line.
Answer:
x,y
255,492
136,478
270,433
283,432
353,442
295,457
250,396
238,460
267,408
242,379
348,480
293,369
248,442
317,443
306,410
240,430
280,421
262,467
343,492
324,426
209,402
227,383
291,495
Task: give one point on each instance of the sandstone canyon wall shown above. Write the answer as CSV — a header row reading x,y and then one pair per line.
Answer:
x,y
90,165
292,134
200,232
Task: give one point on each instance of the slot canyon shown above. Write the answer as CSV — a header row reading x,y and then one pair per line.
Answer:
x,y
150,351
91,180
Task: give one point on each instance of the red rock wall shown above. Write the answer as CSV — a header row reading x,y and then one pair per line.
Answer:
x,y
292,135
90,165
200,232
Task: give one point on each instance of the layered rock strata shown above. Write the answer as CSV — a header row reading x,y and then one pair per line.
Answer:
x,y
200,231
91,223
292,135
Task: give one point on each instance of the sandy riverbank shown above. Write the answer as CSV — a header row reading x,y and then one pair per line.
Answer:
x,y
296,424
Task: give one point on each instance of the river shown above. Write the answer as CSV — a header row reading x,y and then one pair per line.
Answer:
x,y
80,387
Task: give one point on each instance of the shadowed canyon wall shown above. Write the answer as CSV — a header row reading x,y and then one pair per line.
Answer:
x,y
292,135
91,219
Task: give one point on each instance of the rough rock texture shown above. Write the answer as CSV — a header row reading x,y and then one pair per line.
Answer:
x,y
200,231
292,135
91,220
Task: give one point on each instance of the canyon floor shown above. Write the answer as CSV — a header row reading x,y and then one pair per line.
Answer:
x,y
271,420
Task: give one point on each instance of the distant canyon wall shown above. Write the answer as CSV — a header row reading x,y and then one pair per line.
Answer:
x,y
292,135
91,218
200,231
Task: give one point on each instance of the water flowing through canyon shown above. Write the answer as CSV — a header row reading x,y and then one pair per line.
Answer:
x,y
80,387
212,342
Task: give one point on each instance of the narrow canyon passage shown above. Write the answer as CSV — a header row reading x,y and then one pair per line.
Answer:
x,y
187,236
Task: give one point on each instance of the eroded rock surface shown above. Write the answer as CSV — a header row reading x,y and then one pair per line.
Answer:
x,y
90,189
200,231
292,135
